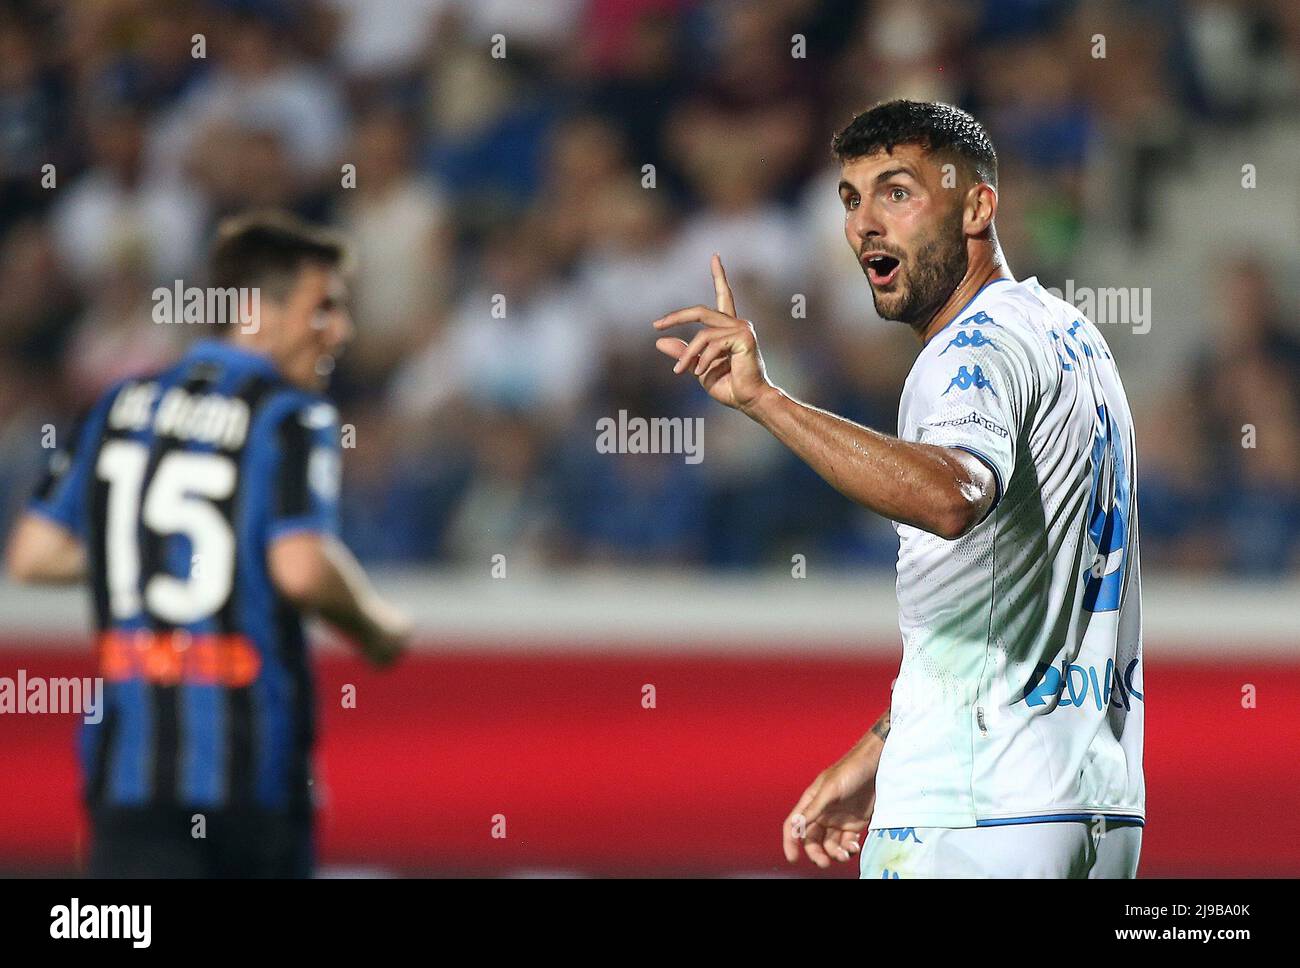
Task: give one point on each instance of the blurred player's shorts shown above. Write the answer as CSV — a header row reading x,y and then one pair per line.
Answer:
x,y
1065,849
171,842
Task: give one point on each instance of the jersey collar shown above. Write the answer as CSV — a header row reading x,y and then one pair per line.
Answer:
x,y
978,292
227,354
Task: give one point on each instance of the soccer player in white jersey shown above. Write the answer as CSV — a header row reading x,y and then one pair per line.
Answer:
x,y
1013,742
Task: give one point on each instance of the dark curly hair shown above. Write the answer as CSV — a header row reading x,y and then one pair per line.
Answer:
x,y
932,125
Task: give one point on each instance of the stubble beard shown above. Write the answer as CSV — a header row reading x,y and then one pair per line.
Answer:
x,y
933,272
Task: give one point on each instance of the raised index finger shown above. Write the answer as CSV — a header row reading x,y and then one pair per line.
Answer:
x,y
726,302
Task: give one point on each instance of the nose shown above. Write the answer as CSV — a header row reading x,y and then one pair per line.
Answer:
x,y
862,224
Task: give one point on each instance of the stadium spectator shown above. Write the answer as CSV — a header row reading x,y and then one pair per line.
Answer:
x,y
523,177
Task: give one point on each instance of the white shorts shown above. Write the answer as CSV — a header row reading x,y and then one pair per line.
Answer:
x,y
1059,849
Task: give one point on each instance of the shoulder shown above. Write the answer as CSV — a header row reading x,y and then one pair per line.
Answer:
x,y
1024,311
286,405
1021,318
126,402
1002,338
294,422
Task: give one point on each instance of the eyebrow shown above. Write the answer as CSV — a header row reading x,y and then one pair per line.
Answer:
x,y
884,176
889,173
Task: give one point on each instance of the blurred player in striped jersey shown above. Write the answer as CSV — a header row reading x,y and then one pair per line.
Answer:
x,y
201,504
1013,742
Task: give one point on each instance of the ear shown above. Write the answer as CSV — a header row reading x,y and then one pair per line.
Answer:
x,y
250,307
980,209
271,317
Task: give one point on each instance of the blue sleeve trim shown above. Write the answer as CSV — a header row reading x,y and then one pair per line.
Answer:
x,y
51,513
310,523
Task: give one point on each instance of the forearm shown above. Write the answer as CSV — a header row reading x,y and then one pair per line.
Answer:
x,y
881,730
866,751
933,488
874,741
317,573
342,593
349,601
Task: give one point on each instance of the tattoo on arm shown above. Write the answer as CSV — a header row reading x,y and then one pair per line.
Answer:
x,y
881,728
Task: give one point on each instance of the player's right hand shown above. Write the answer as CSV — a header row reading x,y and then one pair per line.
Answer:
x,y
388,637
723,355
829,818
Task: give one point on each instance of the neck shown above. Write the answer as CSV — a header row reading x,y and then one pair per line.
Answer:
x,y
986,267
249,342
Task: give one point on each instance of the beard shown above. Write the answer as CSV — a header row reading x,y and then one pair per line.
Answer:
x,y
928,278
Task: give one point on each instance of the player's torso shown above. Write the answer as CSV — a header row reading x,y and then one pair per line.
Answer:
x,y
1020,688
207,685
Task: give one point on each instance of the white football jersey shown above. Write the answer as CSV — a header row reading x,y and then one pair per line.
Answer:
x,y
1020,694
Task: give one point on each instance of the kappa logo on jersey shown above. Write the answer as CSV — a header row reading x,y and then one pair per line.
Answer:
x,y
899,833
1082,682
966,379
964,339
980,318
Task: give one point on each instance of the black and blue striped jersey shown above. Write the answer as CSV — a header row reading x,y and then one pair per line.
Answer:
x,y
177,483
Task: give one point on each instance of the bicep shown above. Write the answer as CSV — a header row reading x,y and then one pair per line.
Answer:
x,y
974,403
299,476
296,562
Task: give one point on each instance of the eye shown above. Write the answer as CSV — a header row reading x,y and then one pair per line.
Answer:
x,y
897,194
851,202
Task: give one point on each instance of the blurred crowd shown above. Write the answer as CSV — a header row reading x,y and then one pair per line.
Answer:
x,y
528,183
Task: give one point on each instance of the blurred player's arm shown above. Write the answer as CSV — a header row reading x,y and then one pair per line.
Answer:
x,y
41,551
317,573
308,562
46,545
942,490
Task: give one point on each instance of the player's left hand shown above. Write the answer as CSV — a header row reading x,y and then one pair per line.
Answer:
x,y
724,354
829,820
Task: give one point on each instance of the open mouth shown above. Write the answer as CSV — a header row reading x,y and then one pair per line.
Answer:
x,y
881,269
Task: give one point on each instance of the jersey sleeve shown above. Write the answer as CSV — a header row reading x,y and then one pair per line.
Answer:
x,y
62,492
973,392
306,472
